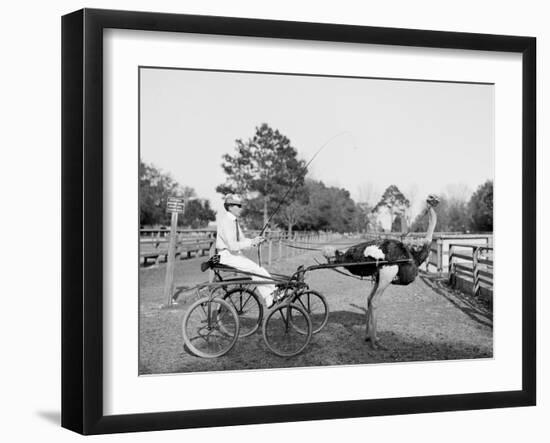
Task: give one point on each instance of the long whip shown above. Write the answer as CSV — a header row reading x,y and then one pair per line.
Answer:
x,y
293,184
298,178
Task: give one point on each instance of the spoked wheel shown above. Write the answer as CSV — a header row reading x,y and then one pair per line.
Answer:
x,y
282,330
202,331
248,308
315,304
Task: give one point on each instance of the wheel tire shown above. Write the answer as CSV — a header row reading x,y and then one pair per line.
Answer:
x,y
248,307
281,335
315,304
202,333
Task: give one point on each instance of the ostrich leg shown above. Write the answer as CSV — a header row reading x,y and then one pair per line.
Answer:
x,y
385,276
370,310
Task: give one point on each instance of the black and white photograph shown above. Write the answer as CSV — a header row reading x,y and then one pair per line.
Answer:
x,y
294,221
275,221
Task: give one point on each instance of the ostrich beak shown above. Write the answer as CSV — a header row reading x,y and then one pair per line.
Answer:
x,y
432,200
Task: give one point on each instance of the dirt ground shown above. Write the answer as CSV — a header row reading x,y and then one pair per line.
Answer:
x,y
422,321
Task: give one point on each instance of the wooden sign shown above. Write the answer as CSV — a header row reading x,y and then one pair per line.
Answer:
x,y
175,204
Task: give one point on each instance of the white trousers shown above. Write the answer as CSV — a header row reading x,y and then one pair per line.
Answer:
x,y
245,264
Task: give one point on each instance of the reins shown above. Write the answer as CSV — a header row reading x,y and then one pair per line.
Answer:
x,y
347,274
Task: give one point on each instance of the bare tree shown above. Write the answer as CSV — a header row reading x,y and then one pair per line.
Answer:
x,y
458,191
368,193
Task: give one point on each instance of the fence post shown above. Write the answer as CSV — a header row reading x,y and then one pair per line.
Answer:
x,y
259,252
451,276
169,277
475,270
211,253
270,247
450,257
439,255
430,257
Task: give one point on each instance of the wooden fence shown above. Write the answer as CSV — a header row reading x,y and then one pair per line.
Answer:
x,y
280,245
466,257
471,268
439,257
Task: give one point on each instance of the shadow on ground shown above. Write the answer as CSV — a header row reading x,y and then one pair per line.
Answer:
x,y
467,304
423,321
53,417
341,342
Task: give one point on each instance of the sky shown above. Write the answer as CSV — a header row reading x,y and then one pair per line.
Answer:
x,y
424,137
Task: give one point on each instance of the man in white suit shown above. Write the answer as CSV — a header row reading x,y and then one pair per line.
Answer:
x,y
230,243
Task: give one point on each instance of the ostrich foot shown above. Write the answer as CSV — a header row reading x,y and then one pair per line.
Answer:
x,y
375,344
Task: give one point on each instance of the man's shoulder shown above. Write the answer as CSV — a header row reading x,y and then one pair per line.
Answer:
x,y
223,217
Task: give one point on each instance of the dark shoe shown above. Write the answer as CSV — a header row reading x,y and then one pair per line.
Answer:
x,y
279,295
212,262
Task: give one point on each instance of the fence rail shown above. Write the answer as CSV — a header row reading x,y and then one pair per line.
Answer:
x,y
439,257
471,267
279,245
467,257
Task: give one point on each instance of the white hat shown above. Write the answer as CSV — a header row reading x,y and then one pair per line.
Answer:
x,y
231,199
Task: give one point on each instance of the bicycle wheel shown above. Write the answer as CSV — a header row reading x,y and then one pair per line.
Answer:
x,y
248,308
280,330
201,327
315,305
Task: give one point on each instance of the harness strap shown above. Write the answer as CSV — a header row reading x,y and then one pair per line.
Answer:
x,y
347,274
301,247
313,249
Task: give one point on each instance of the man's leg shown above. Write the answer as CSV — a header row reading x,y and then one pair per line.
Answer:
x,y
245,264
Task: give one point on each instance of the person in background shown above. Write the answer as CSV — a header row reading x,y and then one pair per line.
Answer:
x,y
230,243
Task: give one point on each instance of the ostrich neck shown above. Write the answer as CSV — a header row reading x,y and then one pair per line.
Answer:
x,y
420,254
431,225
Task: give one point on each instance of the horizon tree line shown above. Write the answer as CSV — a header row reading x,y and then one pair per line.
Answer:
x,y
263,168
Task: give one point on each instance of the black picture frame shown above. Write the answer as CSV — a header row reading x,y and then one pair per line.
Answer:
x,y
82,220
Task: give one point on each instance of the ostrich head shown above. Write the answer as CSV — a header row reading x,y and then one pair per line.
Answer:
x,y
329,253
432,200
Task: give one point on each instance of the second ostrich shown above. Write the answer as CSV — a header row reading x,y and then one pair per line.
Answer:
x,y
403,273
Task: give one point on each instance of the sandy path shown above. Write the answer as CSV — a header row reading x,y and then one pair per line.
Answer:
x,y
422,321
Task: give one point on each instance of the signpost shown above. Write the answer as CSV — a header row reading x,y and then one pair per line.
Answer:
x,y
175,206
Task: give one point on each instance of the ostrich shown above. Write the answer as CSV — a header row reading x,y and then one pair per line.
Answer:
x,y
386,250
